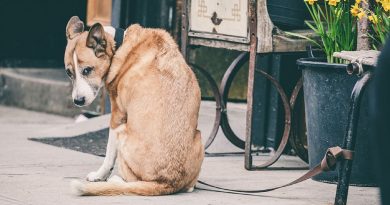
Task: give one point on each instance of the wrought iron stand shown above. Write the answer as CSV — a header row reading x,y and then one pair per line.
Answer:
x,y
263,37
260,40
350,138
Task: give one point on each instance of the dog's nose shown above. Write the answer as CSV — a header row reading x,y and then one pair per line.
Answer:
x,y
80,101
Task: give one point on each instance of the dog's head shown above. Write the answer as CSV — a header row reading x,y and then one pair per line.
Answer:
x,y
87,59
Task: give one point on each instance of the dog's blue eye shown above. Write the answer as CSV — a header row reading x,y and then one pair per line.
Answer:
x,y
87,71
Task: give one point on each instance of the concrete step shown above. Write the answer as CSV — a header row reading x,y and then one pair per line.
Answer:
x,y
40,89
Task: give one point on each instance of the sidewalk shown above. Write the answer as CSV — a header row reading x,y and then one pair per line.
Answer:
x,y
39,174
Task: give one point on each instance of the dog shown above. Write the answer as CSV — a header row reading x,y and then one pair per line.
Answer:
x,y
155,99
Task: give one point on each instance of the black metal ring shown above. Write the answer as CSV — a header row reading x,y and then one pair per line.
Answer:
x,y
217,98
226,82
287,121
224,90
294,140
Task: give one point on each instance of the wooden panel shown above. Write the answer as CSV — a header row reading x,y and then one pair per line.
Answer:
x,y
280,43
264,28
218,44
223,17
270,39
369,57
218,37
99,11
285,43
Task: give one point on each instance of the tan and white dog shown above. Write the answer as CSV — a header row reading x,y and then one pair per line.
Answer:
x,y
155,101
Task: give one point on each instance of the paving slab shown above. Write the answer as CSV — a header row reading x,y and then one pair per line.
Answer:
x,y
39,174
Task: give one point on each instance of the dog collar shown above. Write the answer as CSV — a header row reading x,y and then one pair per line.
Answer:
x,y
119,34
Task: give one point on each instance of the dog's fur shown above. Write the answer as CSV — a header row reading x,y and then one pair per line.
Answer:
x,y
155,101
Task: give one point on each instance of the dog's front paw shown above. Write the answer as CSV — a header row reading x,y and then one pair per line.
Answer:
x,y
95,177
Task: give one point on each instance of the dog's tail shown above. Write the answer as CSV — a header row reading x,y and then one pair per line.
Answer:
x,y
141,188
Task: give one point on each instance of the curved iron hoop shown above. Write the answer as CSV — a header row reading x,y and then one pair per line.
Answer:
x,y
287,121
224,90
226,82
217,98
295,93
296,142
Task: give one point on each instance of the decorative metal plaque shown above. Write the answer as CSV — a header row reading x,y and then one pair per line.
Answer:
x,y
226,17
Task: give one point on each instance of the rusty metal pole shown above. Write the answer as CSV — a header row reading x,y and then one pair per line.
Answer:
x,y
251,74
350,139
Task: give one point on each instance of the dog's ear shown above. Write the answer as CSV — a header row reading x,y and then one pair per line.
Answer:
x,y
97,40
74,27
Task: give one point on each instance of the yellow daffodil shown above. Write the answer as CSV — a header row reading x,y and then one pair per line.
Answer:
x,y
361,14
334,2
373,18
355,9
311,2
386,5
365,1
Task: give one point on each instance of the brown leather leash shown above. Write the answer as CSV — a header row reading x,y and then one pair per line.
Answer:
x,y
332,156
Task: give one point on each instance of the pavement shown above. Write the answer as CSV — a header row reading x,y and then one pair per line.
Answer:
x,y
39,174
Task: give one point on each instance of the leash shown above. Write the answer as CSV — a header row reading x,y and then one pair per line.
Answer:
x,y
332,156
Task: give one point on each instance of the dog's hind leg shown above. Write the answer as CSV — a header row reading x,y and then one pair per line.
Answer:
x,y
124,171
116,178
198,151
191,186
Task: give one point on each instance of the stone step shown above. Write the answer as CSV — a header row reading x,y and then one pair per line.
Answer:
x,y
40,89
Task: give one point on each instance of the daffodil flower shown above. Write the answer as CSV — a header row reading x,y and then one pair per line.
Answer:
x,y
361,14
365,1
355,9
333,2
311,2
373,18
386,5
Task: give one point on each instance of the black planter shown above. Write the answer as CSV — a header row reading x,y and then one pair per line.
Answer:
x,y
287,14
327,90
